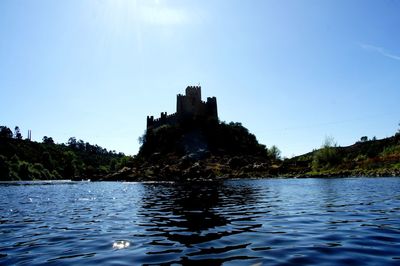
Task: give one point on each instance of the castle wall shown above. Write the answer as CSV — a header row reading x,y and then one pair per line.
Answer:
x,y
212,110
191,106
193,92
164,119
188,106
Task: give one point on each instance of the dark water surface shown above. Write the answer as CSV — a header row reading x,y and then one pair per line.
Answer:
x,y
350,221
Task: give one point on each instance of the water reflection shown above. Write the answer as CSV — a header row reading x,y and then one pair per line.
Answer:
x,y
243,222
192,217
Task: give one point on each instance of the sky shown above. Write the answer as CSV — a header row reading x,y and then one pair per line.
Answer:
x,y
291,71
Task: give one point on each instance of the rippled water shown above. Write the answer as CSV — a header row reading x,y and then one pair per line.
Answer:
x,y
350,221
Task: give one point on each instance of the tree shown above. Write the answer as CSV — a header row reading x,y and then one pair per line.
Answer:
x,y
113,164
364,138
5,132
17,133
72,142
142,138
327,156
274,153
24,172
4,168
80,145
48,140
70,160
47,161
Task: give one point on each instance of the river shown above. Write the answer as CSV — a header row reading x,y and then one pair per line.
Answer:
x,y
336,221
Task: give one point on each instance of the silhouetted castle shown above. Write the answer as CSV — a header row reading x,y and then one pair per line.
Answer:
x,y
188,107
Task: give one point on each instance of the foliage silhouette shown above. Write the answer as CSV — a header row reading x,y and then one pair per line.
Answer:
x,y
201,136
28,160
5,132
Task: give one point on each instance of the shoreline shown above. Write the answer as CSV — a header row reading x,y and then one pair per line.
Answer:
x,y
194,180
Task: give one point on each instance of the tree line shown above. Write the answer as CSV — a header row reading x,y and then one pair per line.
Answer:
x,y
23,159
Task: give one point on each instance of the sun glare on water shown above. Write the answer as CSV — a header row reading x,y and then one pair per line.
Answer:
x,y
120,244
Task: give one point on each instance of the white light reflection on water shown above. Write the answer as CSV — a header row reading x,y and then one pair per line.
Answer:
x,y
120,244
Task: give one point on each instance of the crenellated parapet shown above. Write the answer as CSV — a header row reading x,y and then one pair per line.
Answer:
x,y
163,120
188,106
193,92
150,121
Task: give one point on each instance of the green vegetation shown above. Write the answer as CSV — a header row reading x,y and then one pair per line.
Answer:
x,y
197,149
28,160
327,156
367,157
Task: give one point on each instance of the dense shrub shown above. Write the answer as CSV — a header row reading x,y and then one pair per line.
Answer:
x,y
327,156
211,136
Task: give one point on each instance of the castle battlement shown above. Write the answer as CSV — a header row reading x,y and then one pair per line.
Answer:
x,y
163,117
188,107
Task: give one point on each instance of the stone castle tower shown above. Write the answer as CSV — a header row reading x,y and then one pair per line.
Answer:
x,y
188,107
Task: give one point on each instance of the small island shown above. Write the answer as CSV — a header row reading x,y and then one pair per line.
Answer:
x,y
191,144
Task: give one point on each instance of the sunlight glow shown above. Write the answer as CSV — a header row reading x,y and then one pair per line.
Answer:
x,y
123,19
162,15
159,13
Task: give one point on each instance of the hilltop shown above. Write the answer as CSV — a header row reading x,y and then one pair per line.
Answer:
x,y
193,143
374,157
200,150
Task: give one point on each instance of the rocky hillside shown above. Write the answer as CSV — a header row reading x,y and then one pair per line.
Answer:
x,y
200,150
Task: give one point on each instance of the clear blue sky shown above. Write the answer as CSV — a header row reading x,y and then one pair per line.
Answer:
x,y
292,72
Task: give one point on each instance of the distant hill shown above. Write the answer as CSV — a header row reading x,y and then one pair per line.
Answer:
x,y
22,159
376,157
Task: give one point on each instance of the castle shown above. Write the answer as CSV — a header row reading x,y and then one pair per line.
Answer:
x,y
188,107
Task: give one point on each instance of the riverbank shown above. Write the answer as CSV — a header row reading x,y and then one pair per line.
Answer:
x,y
220,168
